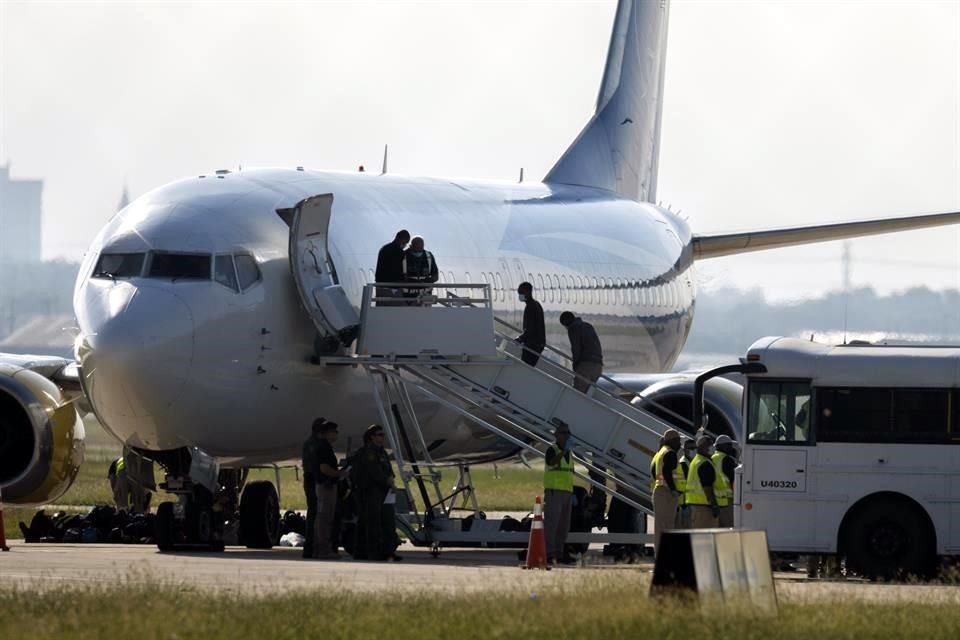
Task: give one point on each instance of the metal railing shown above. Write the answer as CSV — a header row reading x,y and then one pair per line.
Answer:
x,y
372,296
625,390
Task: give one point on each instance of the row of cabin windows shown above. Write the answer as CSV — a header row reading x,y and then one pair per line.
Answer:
x,y
781,412
238,271
571,289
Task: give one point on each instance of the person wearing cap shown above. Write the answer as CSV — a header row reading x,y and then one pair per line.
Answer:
x,y
666,475
585,349
419,267
688,452
327,477
701,493
725,462
558,496
372,480
310,465
534,336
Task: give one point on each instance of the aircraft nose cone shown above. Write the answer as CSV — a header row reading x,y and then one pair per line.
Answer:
x,y
135,350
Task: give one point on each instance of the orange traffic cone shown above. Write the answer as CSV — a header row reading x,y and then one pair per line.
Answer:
x,y
537,546
3,537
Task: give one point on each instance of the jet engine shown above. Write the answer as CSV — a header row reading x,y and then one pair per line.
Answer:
x,y
672,394
41,438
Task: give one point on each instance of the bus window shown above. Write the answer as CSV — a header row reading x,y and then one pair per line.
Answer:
x,y
854,415
881,415
779,412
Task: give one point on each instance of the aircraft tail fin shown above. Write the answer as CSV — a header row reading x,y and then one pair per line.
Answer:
x,y
618,149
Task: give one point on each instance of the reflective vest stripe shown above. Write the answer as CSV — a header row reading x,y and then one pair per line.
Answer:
x,y
654,462
120,464
684,466
658,470
695,493
560,475
403,266
722,486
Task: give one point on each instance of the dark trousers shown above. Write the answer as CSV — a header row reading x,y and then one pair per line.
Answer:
x,y
388,529
589,370
310,491
370,527
531,355
556,521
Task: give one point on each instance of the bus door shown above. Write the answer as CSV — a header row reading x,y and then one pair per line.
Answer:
x,y
776,490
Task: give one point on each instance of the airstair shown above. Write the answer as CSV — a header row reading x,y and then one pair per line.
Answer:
x,y
449,349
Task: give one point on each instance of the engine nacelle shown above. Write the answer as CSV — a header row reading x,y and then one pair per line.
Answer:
x,y
721,396
41,438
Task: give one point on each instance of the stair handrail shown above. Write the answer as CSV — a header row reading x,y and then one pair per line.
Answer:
x,y
565,356
618,481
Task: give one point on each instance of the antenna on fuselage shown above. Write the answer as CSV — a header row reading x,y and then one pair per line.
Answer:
x,y
384,171
521,174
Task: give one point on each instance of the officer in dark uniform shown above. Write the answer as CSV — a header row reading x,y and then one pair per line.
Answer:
x,y
372,479
310,464
419,267
328,476
390,266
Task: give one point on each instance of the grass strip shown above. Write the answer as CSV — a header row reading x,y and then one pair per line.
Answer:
x,y
609,607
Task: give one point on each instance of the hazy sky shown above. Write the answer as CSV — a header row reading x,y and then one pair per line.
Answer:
x,y
775,113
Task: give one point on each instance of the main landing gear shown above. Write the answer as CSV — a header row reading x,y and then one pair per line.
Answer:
x,y
214,507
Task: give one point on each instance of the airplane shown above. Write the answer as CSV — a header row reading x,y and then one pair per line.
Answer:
x,y
196,350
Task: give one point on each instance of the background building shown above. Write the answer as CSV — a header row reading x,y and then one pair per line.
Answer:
x,y
20,218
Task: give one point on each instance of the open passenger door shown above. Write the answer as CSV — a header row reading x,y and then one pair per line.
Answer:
x,y
314,272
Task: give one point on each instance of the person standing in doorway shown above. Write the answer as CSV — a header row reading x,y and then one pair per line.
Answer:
x,y
390,267
585,349
558,496
534,336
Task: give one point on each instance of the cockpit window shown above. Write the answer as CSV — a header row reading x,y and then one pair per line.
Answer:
x,y
223,272
119,265
247,270
180,266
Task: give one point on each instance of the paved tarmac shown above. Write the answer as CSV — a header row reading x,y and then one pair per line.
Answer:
x,y
44,566
279,569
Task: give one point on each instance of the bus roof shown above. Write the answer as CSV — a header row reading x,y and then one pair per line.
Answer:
x,y
858,365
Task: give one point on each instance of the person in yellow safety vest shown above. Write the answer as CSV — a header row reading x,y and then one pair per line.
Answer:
x,y
128,494
725,462
689,451
702,487
558,495
667,475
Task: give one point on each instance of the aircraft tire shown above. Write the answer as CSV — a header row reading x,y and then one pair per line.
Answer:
x,y
165,531
259,515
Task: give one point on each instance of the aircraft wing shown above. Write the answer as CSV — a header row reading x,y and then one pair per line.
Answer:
x,y
65,373
727,244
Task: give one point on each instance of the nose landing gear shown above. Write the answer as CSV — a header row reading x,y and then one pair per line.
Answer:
x,y
213,507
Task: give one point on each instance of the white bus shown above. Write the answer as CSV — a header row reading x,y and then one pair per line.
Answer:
x,y
853,450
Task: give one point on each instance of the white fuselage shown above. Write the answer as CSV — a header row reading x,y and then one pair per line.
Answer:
x,y
186,362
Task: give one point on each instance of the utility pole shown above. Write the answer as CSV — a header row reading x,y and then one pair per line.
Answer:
x,y
846,261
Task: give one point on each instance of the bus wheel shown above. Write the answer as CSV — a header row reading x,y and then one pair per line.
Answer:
x,y
887,540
